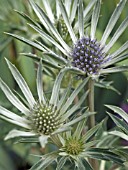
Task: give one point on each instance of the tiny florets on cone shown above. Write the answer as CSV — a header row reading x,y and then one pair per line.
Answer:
x,y
88,55
62,28
73,146
43,119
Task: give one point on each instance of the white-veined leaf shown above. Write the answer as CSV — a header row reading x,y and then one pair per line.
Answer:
x,y
73,10
13,99
85,115
79,129
63,98
45,161
114,69
43,17
116,14
116,60
40,84
27,18
61,163
116,35
73,95
44,61
81,18
120,50
50,39
48,10
67,5
17,133
89,7
22,84
90,133
120,123
59,59
31,43
95,18
11,115
74,108
67,22
90,144
118,110
119,134
15,122
56,87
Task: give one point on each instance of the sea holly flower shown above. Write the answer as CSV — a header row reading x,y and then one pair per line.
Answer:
x,y
41,117
75,147
83,51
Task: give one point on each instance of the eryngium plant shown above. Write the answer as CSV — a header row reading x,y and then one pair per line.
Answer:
x,y
69,42
41,117
82,50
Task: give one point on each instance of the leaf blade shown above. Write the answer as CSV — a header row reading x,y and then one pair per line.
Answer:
x,y
12,98
117,34
81,18
67,22
39,84
22,84
95,18
116,14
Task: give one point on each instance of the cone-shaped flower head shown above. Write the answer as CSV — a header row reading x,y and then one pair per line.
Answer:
x,y
88,55
41,117
73,146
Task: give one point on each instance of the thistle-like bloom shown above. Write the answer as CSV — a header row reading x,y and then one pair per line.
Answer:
x,y
88,56
40,117
79,49
77,148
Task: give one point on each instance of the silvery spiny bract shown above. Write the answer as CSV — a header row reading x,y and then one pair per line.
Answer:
x,y
41,117
79,48
123,133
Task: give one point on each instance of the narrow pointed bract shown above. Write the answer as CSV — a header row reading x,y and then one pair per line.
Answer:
x,y
40,85
22,84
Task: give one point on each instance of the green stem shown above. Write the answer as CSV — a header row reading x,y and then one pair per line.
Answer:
x,y
91,121
91,102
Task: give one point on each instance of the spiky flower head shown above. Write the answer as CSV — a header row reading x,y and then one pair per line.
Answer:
x,y
41,117
88,55
44,119
81,49
73,146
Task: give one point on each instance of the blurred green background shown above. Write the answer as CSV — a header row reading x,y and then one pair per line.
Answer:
x,y
16,156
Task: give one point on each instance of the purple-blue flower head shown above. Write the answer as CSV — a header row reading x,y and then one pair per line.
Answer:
x,y
88,55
